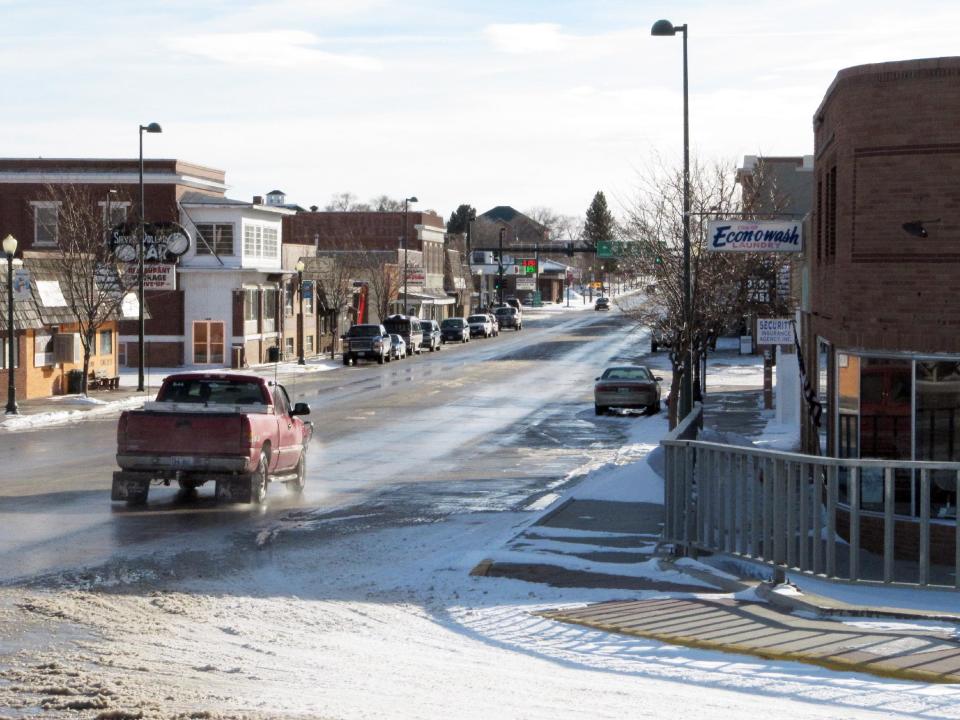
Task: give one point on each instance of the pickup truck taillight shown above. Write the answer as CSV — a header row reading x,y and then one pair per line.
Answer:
x,y
246,431
122,430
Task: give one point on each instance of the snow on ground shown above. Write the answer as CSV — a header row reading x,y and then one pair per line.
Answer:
x,y
63,417
153,376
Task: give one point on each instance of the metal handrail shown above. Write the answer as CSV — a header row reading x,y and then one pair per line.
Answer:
x,y
782,509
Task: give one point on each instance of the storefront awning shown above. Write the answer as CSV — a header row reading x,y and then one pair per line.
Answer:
x,y
430,297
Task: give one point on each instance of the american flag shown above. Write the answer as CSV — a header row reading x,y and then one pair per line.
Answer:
x,y
814,408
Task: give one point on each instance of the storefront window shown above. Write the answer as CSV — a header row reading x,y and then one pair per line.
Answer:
x,y
938,428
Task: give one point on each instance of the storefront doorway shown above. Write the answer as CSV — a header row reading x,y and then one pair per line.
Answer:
x,y
208,342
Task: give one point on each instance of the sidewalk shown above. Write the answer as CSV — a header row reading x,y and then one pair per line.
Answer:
x,y
63,409
604,534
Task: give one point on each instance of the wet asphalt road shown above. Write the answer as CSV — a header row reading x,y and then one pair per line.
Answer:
x,y
487,426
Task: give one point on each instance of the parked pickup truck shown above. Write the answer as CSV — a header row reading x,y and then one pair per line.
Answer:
x,y
239,431
369,341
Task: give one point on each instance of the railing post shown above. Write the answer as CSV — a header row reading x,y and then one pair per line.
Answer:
x,y
832,521
791,509
688,501
667,492
888,524
738,463
729,505
924,570
854,483
803,471
779,499
816,489
756,495
705,497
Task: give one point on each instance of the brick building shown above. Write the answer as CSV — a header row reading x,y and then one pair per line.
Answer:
x,y
880,317
363,231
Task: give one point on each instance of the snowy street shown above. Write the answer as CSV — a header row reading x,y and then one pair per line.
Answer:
x,y
357,601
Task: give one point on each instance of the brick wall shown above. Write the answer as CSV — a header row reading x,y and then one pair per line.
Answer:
x,y
890,131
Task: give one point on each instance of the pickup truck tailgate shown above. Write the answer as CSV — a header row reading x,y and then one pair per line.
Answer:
x,y
183,433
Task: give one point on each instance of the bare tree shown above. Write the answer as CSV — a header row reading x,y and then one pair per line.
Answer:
x,y
345,201
719,290
85,264
334,273
382,273
385,203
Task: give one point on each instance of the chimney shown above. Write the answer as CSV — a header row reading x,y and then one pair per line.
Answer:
x,y
258,199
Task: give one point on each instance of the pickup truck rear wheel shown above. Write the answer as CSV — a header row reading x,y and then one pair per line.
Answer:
x,y
298,484
258,481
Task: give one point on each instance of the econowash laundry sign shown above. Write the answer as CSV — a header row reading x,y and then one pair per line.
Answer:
x,y
754,236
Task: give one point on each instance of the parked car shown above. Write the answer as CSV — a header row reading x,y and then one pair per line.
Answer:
x,y
455,330
366,341
239,431
627,386
480,326
408,328
431,335
602,303
398,347
494,323
509,317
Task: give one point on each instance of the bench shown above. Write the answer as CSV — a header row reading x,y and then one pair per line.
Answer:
x,y
98,381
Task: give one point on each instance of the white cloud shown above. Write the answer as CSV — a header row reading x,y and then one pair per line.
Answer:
x,y
522,39
274,48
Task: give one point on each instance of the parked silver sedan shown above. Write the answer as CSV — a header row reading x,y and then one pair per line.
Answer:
x,y
627,386
398,347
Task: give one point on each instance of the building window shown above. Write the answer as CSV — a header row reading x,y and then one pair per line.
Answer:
x,y
819,220
106,342
6,354
308,344
288,348
42,350
288,298
308,293
251,304
260,241
117,212
46,217
832,213
214,239
269,310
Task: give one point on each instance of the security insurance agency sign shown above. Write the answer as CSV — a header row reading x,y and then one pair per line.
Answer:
x,y
754,236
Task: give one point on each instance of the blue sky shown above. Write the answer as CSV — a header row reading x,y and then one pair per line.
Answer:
x,y
519,103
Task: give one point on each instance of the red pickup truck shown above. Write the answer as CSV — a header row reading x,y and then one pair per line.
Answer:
x,y
238,430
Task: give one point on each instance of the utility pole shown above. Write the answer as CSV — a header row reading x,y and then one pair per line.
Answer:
x,y
500,269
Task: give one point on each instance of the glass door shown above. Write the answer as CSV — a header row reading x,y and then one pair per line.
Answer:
x,y
208,342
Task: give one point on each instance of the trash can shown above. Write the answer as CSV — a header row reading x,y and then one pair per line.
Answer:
x,y
74,381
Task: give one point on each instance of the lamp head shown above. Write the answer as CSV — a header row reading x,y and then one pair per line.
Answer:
x,y
10,245
300,266
663,28
152,128
412,198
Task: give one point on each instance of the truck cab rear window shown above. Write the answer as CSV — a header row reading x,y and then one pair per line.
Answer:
x,y
197,390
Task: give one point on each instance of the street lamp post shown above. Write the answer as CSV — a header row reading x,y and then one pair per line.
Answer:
x,y
403,239
300,267
500,269
662,28
151,128
10,247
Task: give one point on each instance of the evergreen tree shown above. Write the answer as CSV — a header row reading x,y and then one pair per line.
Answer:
x,y
460,218
600,224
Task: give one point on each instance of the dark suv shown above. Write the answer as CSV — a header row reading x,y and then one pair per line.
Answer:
x,y
431,335
408,328
455,330
509,317
367,341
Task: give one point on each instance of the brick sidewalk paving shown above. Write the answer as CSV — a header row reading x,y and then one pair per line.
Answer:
x,y
751,628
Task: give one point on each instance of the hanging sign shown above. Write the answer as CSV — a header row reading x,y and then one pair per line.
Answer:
x,y
163,242
155,276
21,285
774,331
754,236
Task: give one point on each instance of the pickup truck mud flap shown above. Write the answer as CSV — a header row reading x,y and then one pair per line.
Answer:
x,y
130,486
235,489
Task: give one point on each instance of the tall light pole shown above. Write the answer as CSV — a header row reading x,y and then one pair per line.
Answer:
x,y
662,28
403,240
151,128
300,267
500,269
10,247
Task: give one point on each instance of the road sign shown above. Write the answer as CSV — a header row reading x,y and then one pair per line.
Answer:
x,y
774,331
526,283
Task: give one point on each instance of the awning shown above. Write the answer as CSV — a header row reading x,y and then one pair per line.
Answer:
x,y
431,297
